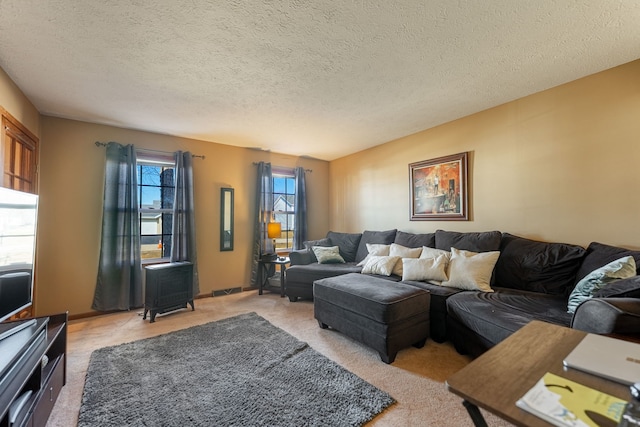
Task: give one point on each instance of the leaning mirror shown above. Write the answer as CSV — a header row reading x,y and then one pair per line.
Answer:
x,y
226,219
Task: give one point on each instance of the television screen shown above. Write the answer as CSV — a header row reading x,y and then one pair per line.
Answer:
x,y
18,218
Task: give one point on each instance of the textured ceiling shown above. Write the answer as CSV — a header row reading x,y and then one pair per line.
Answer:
x,y
318,78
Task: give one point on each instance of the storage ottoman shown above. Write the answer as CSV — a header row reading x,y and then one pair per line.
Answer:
x,y
385,315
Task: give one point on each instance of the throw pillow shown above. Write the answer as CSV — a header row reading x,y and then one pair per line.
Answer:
x,y
375,249
624,288
309,244
428,252
380,237
598,255
402,252
471,270
622,268
424,269
328,255
382,265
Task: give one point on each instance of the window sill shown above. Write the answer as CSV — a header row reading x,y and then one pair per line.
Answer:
x,y
153,261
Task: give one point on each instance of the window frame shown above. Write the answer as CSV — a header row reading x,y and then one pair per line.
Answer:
x,y
287,174
158,160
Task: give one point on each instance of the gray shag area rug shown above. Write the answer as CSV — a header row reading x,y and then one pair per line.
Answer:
x,y
240,371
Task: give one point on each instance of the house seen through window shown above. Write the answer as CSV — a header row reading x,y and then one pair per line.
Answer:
x,y
156,187
284,192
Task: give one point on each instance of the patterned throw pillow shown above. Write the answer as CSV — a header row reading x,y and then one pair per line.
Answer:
x,y
622,268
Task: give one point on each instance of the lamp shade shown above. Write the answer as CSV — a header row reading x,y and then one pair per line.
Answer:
x,y
274,230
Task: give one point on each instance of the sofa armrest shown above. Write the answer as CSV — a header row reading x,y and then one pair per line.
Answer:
x,y
301,257
608,316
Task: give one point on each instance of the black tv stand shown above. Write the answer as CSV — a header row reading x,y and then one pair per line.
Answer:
x,y
32,369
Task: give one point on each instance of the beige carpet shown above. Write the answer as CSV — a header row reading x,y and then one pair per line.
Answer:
x,y
415,379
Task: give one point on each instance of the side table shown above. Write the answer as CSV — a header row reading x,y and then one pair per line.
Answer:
x,y
263,267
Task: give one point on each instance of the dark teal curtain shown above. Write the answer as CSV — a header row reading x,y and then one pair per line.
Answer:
x,y
263,209
183,247
119,283
300,215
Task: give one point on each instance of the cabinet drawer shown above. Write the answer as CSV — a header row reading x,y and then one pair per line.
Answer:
x,y
49,393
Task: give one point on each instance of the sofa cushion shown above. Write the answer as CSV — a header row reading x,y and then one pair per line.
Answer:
x,y
599,254
494,316
347,242
471,270
437,307
625,288
380,265
307,274
535,266
328,255
378,237
622,268
309,244
411,240
486,241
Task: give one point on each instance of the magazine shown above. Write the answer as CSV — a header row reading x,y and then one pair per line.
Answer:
x,y
565,403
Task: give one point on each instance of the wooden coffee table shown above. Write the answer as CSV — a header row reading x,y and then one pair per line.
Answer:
x,y
498,378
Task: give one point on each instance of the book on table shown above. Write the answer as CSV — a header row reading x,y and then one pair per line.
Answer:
x,y
565,403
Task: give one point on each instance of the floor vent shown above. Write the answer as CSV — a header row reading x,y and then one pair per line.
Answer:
x,y
229,291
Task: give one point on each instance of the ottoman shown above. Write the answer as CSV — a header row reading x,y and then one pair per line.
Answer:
x,y
385,315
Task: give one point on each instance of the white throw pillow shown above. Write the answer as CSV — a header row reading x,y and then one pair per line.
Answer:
x,y
425,269
403,252
471,270
375,249
428,252
328,254
381,265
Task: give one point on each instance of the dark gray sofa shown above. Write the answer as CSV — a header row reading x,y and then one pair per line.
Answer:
x,y
531,280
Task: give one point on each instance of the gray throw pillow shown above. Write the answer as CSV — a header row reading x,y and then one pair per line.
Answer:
x,y
328,255
309,244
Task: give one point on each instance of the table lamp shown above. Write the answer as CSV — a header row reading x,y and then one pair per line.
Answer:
x,y
274,230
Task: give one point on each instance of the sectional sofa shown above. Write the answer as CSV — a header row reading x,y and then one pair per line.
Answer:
x,y
493,284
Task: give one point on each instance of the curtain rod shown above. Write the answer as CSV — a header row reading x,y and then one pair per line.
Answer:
x,y
104,144
306,170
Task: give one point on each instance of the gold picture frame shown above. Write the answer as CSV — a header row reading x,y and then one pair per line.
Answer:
x,y
439,189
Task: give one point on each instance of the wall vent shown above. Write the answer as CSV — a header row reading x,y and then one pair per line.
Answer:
x,y
229,291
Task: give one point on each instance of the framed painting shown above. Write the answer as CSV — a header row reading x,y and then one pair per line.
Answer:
x,y
439,189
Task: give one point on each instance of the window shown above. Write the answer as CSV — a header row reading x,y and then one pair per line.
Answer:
x,y
284,198
156,189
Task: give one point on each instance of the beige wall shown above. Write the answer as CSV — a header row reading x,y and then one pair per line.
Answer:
x,y
560,165
71,185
